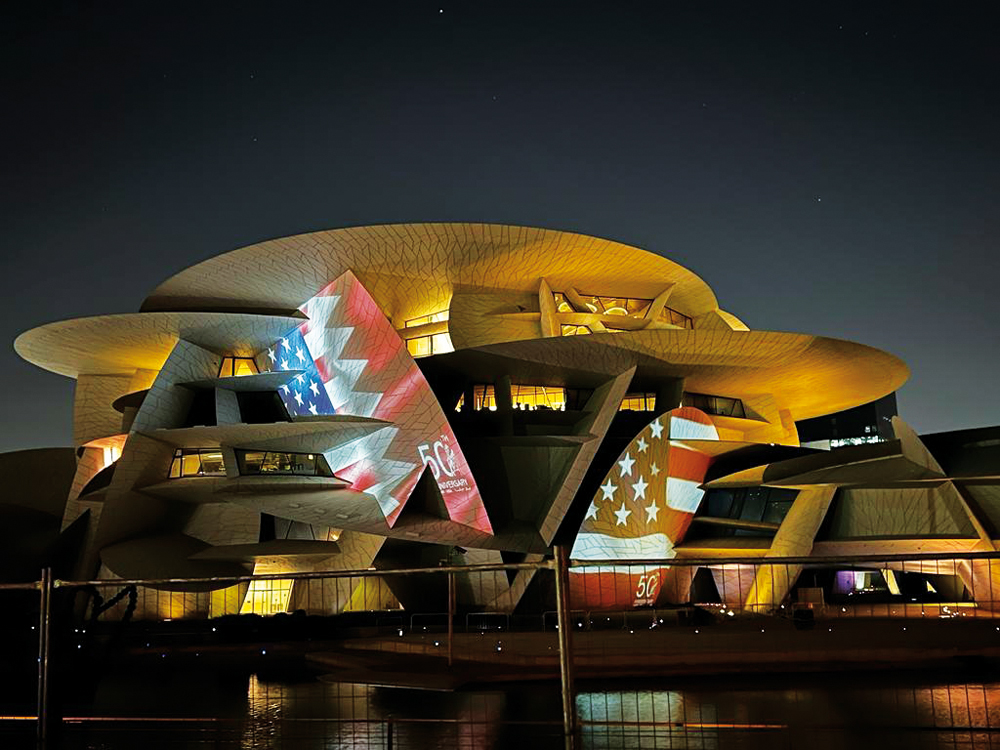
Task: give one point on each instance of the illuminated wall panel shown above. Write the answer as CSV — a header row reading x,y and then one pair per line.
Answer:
x,y
355,363
643,508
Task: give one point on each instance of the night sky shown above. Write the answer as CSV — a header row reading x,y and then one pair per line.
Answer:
x,y
831,170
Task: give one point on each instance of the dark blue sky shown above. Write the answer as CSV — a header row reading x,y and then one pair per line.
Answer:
x,y
831,170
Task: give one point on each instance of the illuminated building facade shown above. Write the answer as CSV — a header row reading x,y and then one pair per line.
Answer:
x,y
388,395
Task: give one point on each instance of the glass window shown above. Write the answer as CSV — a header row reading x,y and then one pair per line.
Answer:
x,y
190,465
277,462
423,346
211,463
438,317
638,402
622,306
441,343
484,397
419,347
531,397
716,405
237,367
197,462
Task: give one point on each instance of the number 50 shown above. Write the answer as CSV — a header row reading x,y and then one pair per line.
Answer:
x,y
647,586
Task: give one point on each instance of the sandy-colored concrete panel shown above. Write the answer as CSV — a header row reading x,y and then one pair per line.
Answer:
x,y
121,344
411,269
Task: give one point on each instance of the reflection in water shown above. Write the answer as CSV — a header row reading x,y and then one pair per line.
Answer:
x,y
813,712
332,715
815,716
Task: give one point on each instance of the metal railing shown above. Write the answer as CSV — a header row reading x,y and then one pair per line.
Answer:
x,y
577,620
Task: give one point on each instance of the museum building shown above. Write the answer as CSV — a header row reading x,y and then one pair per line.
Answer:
x,y
394,396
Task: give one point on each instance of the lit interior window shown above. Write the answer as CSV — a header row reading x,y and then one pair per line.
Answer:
x,y
523,398
615,306
531,397
205,462
267,597
237,367
276,462
419,347
438,317
424,346
638,402
484,397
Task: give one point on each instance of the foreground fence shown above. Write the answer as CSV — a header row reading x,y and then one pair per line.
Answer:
x,y
446,627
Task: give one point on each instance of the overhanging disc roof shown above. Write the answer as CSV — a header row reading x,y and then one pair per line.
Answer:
x,y
121,344
813,375
412,268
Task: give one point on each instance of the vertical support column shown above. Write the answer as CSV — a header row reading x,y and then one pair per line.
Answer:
x,y
451,616
565,645
44,619
505,404
669,394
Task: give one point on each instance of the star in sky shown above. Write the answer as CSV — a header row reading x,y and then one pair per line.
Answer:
x,y
623,513
626,465
651,510
642,445
657,428
640,488
609,490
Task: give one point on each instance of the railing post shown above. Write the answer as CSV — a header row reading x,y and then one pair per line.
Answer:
x,y
44,619
451,616
565,645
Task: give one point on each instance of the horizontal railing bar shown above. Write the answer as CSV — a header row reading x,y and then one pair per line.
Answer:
x,y
681,562
813,561
33,586
304,576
